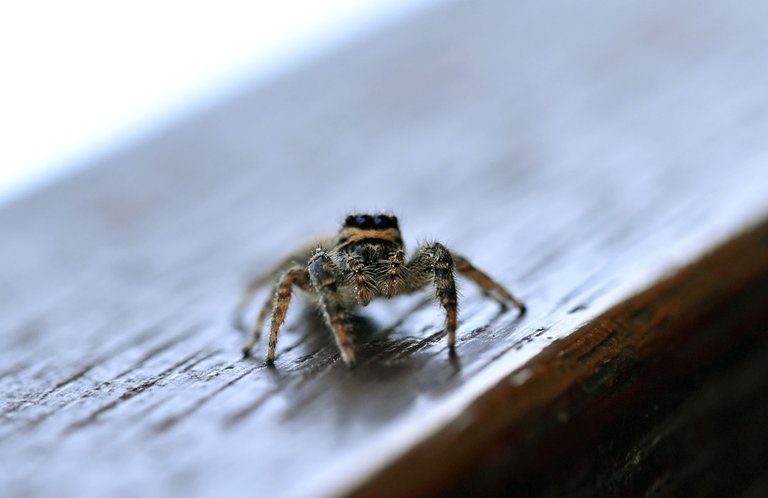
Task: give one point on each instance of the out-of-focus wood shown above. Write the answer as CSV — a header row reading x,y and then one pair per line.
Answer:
x,y
582,154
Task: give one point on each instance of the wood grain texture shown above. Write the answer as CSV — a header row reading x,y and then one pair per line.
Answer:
x,y
612,382
579,153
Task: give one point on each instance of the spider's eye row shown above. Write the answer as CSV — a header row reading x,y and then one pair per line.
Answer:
x,y
366,221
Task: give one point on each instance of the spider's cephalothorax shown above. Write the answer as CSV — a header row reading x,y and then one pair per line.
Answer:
x,y
365,260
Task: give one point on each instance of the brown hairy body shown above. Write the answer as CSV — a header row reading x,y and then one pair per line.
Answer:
x,y
365,260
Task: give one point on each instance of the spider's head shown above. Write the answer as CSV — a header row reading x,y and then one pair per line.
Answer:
x,y
371,222
370,228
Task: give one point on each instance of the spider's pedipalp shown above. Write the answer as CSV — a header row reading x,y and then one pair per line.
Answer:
x,y
392,279
361,279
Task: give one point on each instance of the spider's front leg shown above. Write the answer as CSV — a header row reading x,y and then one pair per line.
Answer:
x,y
283,293
322,274
434,262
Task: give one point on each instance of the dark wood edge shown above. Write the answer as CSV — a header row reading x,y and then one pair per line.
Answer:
x,y
579,385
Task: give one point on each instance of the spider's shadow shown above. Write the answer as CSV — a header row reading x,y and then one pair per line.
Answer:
x,y
373,342
318,339
309,369
393,369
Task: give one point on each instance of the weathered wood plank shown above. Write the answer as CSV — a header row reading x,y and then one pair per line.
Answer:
x,y
579,153
659,354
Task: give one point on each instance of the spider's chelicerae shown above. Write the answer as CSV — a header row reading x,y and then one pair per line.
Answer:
x,y
365,260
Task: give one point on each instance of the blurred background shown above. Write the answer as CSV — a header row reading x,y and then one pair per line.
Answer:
x,y
84,77
577,152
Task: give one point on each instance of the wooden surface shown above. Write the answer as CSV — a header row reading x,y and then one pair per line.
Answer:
x,y
581,154
664,394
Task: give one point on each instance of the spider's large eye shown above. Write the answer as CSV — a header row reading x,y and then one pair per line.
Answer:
x,y
360,220
377,221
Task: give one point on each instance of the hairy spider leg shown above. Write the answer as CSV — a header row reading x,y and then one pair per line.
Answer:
x,y
325,282
266,308
297,258
489,286
434,262
238,316
282,299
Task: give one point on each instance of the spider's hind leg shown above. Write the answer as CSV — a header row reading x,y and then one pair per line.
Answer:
x,y
253,287
296,259
489,287
268,305
283,293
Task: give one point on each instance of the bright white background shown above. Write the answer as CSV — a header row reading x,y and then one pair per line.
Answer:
x,y
78,77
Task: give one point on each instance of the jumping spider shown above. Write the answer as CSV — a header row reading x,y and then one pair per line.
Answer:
x,y
365,260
